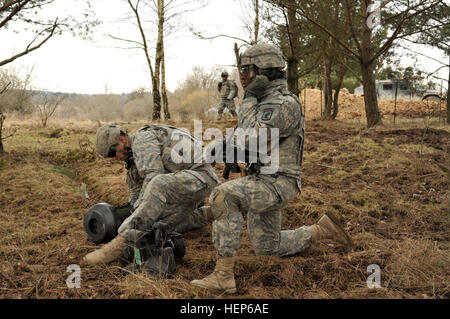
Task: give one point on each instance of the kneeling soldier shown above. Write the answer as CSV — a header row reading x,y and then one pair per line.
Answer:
x,y
269,105
161,189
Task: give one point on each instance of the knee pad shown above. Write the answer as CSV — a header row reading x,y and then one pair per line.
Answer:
x,y
217,201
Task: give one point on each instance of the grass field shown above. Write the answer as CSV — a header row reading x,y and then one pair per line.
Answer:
x,y
390,185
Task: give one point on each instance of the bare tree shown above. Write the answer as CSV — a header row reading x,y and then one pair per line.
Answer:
x,y
143,44
165,11
48,106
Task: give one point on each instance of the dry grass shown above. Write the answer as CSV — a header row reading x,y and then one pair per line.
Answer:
x,y
390,185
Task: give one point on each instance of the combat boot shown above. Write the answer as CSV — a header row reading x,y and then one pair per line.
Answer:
x,y
221,279
108,253
329,227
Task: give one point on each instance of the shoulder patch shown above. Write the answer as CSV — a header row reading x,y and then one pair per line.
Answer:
x,y
267,114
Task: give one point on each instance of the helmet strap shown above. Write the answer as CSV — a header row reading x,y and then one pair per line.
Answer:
x,y
253,72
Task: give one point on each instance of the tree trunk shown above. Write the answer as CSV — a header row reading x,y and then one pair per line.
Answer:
x,y
256,23
292,61
328,91
292,76
370,96
156,115
448,93
368,75
337,91
156,79
165,101
336,103
2,119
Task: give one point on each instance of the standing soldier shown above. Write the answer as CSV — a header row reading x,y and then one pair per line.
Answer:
x,y
267,104
160,188
228,91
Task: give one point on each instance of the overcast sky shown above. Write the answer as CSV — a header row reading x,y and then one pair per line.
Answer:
x,y
69,64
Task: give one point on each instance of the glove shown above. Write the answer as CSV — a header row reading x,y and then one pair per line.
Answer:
x,y
219,86
230,168
125,207
257,87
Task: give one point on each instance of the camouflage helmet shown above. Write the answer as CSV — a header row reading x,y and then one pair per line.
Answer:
x,y
264,56
224,74
106,137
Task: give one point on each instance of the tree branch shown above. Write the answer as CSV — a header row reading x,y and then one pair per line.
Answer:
x,y
30,49
126,40
13,12
7,4
394,36
202,37
352,29
422,55
144,40
5,88
342,44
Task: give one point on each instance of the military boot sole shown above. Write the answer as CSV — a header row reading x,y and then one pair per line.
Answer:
x,y
198,283
336,221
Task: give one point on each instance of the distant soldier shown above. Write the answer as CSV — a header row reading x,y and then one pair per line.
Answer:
x,y
160,189
267,104
228,91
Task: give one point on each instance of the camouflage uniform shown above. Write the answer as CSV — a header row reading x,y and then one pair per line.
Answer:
x,y
161,190
263,196
228,90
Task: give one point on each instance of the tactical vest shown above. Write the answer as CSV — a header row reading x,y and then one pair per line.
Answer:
x,y
291,143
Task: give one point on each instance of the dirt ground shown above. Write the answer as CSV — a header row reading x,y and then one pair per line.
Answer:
x,y
389,184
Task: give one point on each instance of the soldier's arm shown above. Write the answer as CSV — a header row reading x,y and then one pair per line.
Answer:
x,y
134,182
233,89
147,158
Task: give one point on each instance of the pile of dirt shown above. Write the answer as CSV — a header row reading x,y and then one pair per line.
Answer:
x,y
352,106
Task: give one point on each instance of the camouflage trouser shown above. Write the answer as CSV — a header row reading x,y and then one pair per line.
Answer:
x,y
262,197
173,199
229,104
